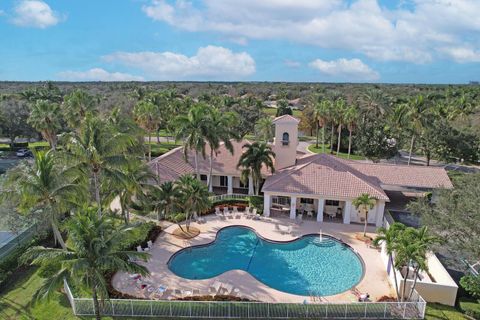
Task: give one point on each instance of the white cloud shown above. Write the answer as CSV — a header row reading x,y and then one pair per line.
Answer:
x,y
97,74
292,63
353,69
415,32
209,62
463,54
34,13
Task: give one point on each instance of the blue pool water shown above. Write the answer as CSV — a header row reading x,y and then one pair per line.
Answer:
x,y
304,267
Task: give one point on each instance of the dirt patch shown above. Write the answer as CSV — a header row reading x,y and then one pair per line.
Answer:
x,y
184,234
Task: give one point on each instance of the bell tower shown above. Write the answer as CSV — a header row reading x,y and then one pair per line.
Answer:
x,y
286,141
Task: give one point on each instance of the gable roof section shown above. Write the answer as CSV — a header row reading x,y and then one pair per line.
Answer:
x,y
323,175
286,119
402,175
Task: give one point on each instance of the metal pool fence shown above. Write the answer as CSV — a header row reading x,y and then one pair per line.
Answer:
x,y
414,309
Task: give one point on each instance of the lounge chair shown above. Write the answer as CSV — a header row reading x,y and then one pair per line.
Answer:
x,y
228,288
139,249
289,230
196,292
215,287
150,244
217,211
177,293
247,209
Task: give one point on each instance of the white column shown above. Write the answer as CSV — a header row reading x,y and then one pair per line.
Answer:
x,y
250,186
293,207
229,184
380,213
266,204
321,203
210,185
347,211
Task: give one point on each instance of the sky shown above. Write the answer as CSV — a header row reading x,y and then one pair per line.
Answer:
x,y
384,41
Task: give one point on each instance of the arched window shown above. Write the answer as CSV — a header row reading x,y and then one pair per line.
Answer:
x,y
285,138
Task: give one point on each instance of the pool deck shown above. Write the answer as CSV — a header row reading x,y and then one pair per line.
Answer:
x,y
374,281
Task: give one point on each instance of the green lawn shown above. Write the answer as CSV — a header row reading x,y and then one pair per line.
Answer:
x,y
313,149
437,311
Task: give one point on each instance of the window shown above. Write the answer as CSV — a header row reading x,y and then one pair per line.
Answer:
x,y
223,181
306,201
203,177
283,201
332,203
285,138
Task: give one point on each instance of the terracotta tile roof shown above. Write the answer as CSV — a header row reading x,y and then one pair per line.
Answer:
x,y
323,175
286,118
402,175
171,165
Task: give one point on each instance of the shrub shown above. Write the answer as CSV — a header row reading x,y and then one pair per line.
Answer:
x,y
232,202
140,235
177,218
471,284
256,202
470,308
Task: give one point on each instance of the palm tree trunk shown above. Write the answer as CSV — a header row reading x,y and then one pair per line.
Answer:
x,y
158,135
149,148
96,305
411,149
417,270
332,129
405,282
196,165
97,192
211,170
316,143
339,138
349,142
57,235
394,277
323,137
366,222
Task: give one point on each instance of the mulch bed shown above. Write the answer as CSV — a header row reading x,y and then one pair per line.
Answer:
x,y
184,234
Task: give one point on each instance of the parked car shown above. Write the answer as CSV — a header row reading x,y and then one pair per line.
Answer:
x,y
23,153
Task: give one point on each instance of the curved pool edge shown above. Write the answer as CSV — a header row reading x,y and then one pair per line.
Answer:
x,y
357,254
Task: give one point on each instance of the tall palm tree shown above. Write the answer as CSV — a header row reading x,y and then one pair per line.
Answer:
x,y
165,198
350,118
45,118
322,114
147,115
256,156
194,197
136,183
100,153
390,238
264,129
340,108
77,105
219,131
414,113
193,128
47,188
364,203
94,250
373,103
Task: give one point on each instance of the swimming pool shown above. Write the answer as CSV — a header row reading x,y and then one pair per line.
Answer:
x,y
304,266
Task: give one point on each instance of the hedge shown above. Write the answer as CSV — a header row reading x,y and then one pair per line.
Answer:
x,y
470,307
256,202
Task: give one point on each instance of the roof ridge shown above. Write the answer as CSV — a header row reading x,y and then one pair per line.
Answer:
x,y
290,172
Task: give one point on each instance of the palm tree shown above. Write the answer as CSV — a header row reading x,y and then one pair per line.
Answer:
x,y
194,197
47,188
219,130
147,116
322,114
135,185
340,108
364,203
390,237
264,129
94,250
165,198
77,105
45,118
414,113
100,153
256,156
193,128
373,103
350,117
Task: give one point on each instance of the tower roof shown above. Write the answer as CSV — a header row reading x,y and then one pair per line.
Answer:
x,y
286,119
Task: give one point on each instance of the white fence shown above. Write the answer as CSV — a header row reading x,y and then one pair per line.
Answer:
x,y
232,196
414,309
